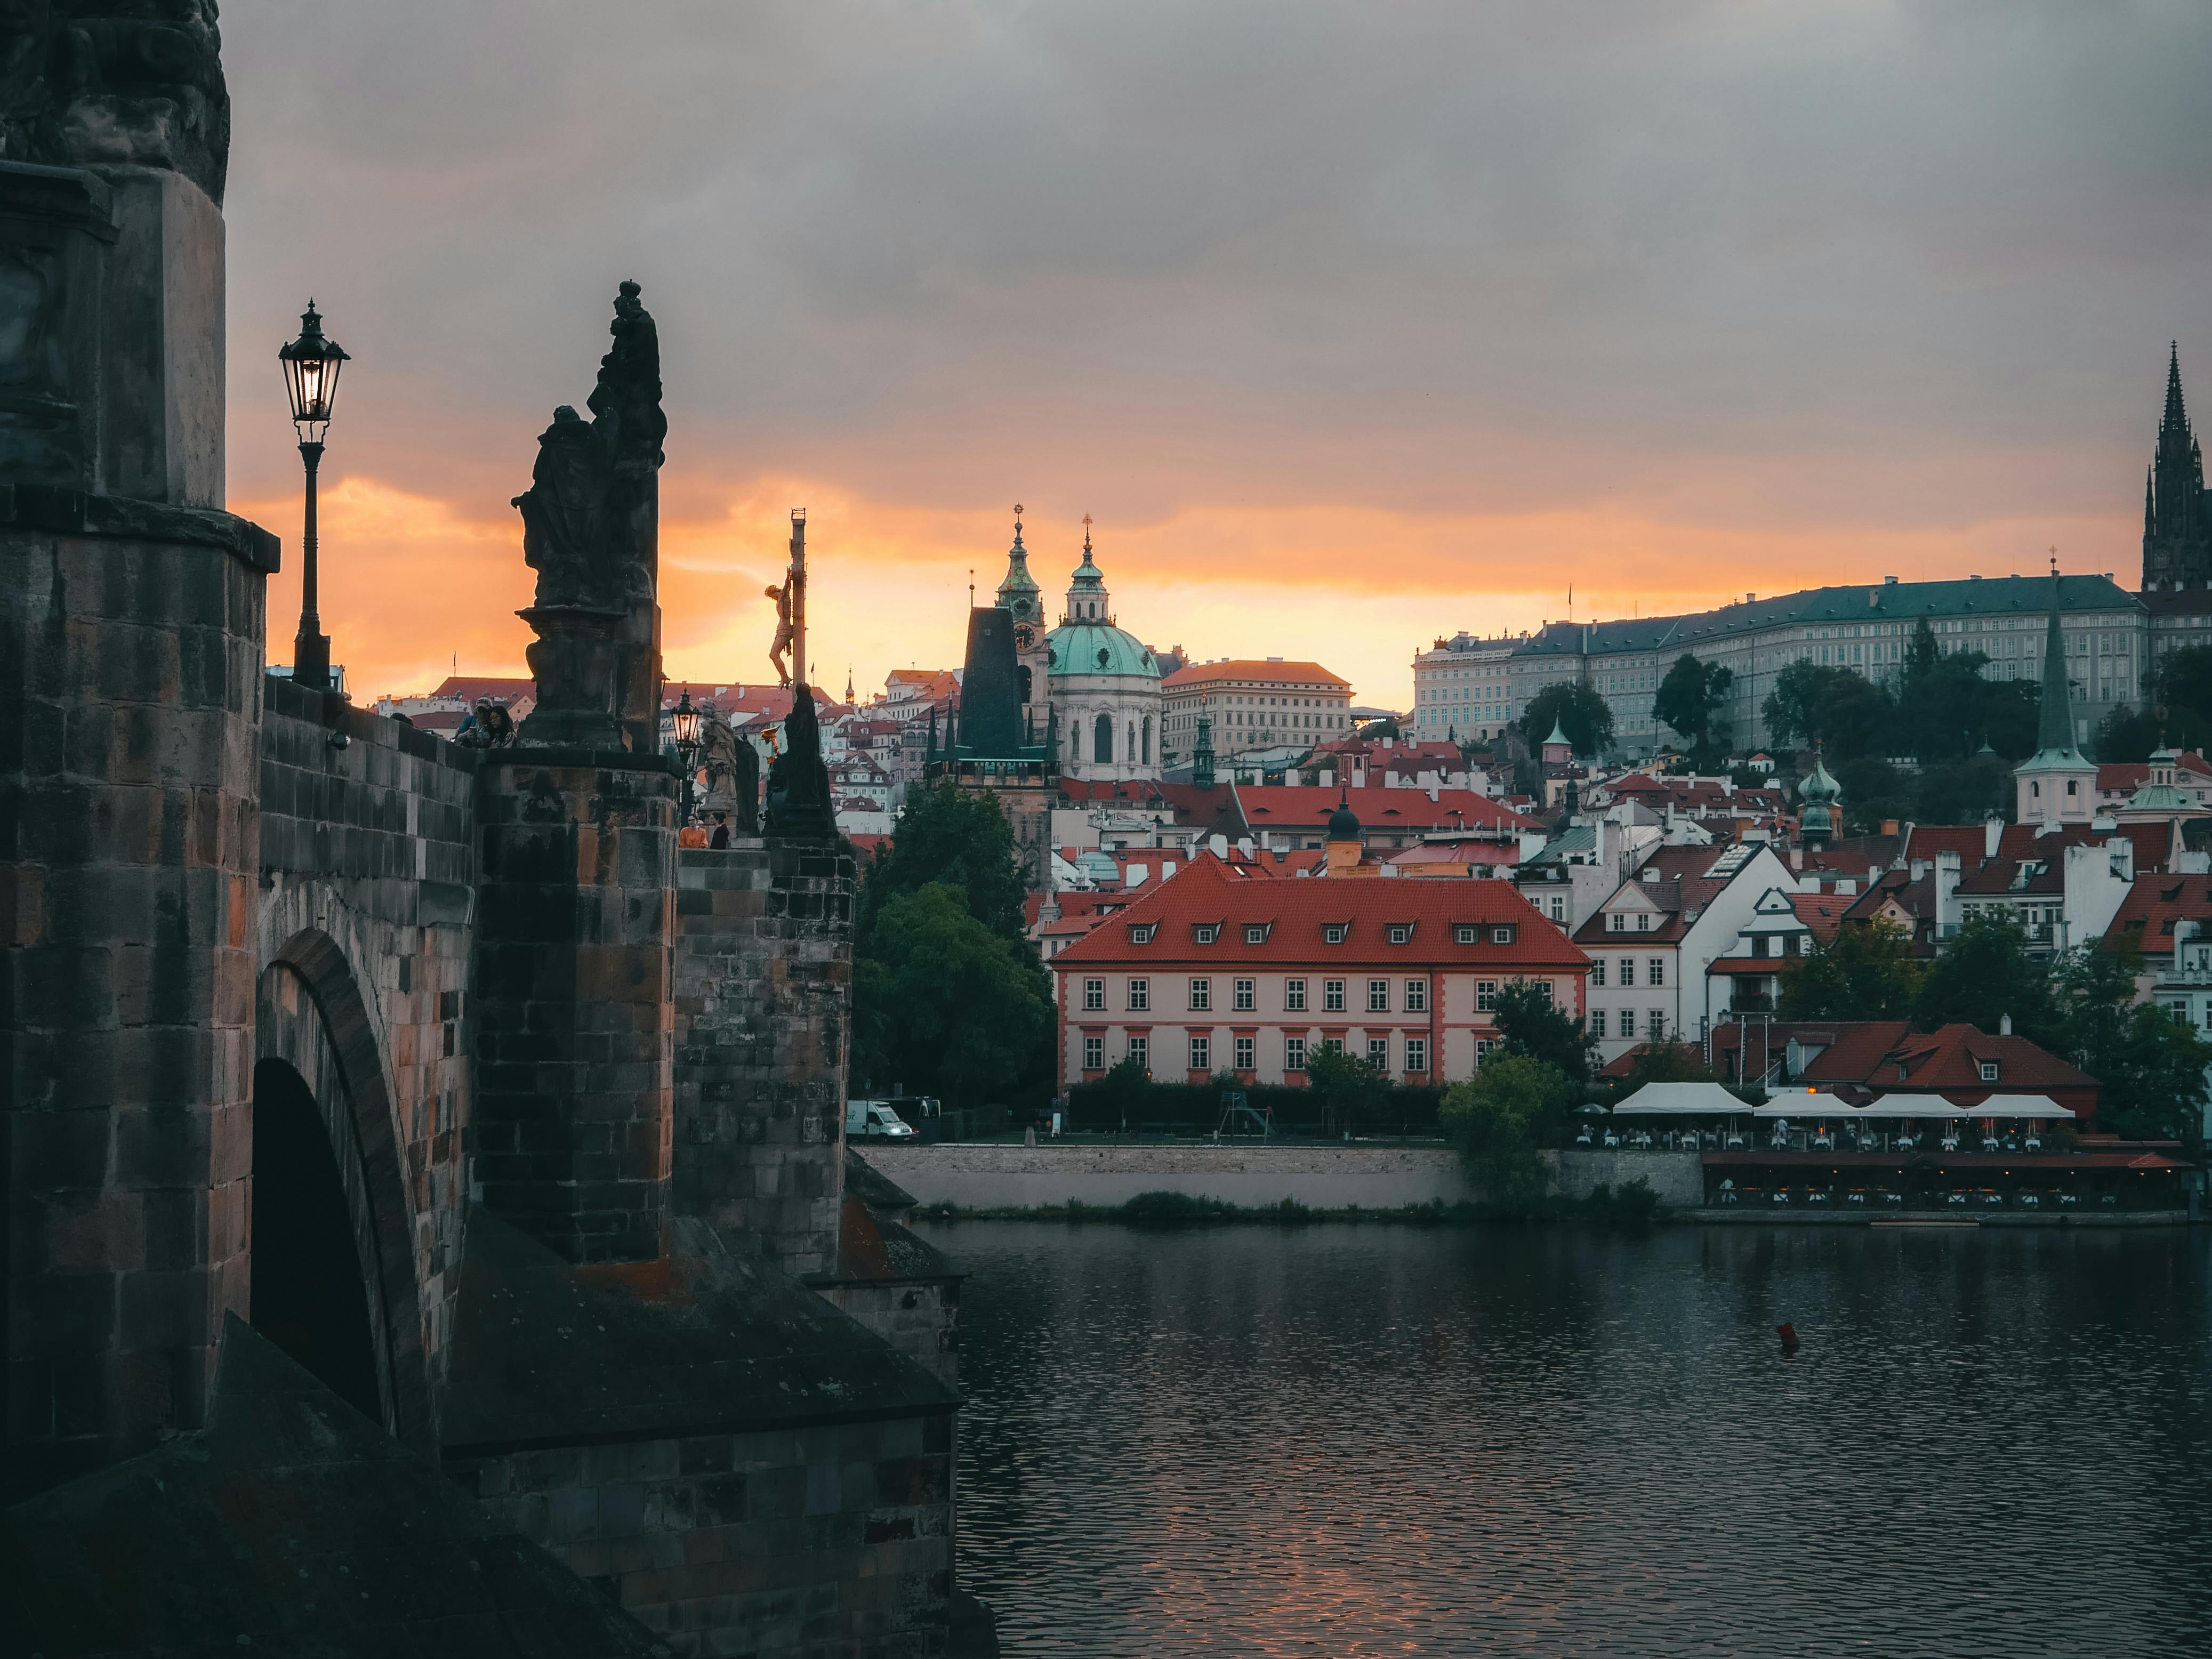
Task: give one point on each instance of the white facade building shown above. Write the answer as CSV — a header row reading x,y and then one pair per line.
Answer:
x,y
1105,686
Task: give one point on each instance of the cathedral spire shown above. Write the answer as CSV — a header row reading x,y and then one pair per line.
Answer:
x,y
2054,732
1018,591
2176,415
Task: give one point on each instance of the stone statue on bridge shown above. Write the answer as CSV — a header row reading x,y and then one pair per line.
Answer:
x,y
591,530
732,769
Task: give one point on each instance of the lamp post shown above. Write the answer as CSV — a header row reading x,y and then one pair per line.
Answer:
x,y
310,379
686,722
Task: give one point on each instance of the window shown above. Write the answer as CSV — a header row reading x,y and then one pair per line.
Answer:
x,y
1654,971
1628,970
1989,1071
1378,1053
1485,995
1201,995
1333,933
1094,1054
1597,1023
1094,994
1294,995
1141,1051
1140,995
1417,996
1502,933
1243,1054
1463,933
1401,931
1207,931
1331,996
1482,1048
1597,971
1628,1022
1201,1054
1256,932
1615,922
1141,932
1558,907
1333,1044
1243,997
1294,1054
1644,922
1378,996
1417,1054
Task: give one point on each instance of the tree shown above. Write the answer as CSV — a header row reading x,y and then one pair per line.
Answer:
x,y
1500,1118
1984,974
2127,734
954,837
1577,709
1865,972
1666,1062
1530,1024
1690,700
1354,1093
2182,686
2149,1065
1941,700
943,1005
2012,711
1847,712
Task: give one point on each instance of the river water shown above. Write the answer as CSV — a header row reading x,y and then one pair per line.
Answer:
x,y
1349,1440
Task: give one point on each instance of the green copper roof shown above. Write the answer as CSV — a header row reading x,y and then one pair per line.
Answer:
x,y
1086,575
1098,648
1018,578
2054,732
1558,735
1819,788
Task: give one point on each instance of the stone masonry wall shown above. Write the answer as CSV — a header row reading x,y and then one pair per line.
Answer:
x,y
763,979
818,1543
574,1016
130,698
370,844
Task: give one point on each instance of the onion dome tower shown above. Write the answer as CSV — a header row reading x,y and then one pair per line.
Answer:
x,y
1817,799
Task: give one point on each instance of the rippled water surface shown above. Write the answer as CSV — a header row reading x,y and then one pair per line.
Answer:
x,y
1370,1440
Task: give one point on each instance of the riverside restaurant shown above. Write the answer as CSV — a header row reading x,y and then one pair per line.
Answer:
x,y
1811,1150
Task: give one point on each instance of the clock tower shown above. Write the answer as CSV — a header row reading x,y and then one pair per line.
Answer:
x,y
1018,595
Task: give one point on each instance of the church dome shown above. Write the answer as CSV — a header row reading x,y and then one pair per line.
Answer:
x,y
1099,647
1343,823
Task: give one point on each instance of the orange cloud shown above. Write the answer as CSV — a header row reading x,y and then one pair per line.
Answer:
x,y
411,584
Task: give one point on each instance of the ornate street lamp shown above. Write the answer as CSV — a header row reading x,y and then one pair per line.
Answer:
x,y
311,379
686,722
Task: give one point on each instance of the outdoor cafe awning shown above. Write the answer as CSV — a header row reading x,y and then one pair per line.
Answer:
x,y
2017,1106
1680,1100
1805,1102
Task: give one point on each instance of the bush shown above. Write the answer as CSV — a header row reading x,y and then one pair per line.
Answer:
x,y
1103,1107
1173,1210
1500,1118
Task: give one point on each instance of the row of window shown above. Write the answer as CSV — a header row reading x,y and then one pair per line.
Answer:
x,y
1138,995
1624,1021
1654,970
1242,1052
1336,932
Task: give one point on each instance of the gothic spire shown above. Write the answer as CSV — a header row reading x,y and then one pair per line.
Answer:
x,y
2054,734
2177,416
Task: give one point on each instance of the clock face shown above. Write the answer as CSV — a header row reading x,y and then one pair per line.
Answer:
x,y
1025,637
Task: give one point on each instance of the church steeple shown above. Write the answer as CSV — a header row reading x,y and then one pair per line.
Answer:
x,y
2177,516
1087,600
1018,591
2056,784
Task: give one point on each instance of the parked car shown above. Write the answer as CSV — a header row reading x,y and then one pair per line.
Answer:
x,y
875,1120
926,1112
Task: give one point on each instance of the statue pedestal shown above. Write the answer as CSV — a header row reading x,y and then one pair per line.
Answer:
x,y
573,661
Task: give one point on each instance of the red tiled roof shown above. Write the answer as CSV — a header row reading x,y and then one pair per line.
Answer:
x,y
471,687
1297,910
1247,668
1823,913
1997,877
2147,917
2131,775
1308,806
1868,1054
739,703
2153,841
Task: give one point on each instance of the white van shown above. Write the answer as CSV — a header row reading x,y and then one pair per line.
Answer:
x,y
875,1120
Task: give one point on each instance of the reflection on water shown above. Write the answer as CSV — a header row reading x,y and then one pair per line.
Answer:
x,y
1367,1440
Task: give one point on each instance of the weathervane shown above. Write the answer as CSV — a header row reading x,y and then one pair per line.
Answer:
x,y
1086,532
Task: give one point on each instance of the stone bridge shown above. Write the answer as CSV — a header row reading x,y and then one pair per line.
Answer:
x,y
443,1070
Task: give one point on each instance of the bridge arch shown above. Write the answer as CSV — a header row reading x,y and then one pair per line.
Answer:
x,y
315,1042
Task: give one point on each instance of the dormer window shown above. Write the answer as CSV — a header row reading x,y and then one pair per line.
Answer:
x,y
1464,932
1502,933
1989,1071
1256,932
1333,933
1207,931
1616,923
1401,932
1140,932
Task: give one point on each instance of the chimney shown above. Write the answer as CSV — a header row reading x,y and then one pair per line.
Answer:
x,y
1992,832
1889,826
2004,1024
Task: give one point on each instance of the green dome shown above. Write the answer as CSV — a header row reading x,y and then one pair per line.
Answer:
x,y
1098,648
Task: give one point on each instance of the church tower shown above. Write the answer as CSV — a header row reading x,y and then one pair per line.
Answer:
x,y
2177,517
1018,596
2056,784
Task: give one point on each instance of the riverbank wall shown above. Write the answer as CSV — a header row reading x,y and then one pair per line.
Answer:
x,y
976,1177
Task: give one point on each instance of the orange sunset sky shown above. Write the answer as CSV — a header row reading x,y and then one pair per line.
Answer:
x,y
1349,325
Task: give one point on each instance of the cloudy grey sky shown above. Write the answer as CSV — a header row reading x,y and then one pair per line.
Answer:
x,y
1349,323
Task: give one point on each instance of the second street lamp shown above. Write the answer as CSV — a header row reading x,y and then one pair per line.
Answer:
x,y
311,381
686,722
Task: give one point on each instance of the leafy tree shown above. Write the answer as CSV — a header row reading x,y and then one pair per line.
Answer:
x,y
1578,709
1963,790
2011,711
943,1005
1666,1062
1940,705
954,837
2150,1065
1124,1094
1985,973
1354,1093
1865,972
1501,1117
1850,714
2182,687
2127,734
1530,1024
1690,698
